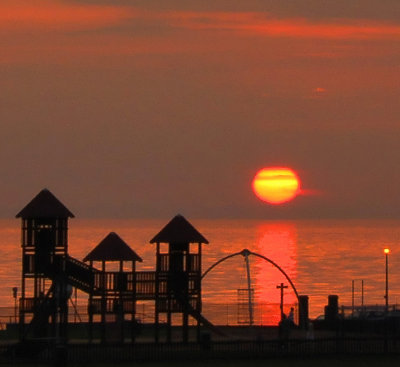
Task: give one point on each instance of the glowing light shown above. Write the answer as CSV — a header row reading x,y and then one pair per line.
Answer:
x,y
386,251
276,185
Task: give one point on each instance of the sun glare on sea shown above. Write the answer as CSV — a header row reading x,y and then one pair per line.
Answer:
x,y
276,185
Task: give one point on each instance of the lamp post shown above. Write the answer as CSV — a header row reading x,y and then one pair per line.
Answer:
x,y
386,252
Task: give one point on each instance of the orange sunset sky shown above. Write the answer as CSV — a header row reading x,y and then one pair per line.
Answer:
x,y
150,108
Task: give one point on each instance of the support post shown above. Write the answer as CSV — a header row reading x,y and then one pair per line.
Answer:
x,y
103,302
352,298
199,304
246,258
185,318
169,321
133,311
362,295
90,308
156,298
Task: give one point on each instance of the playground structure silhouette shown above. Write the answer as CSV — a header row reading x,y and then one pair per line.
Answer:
x,y
49,273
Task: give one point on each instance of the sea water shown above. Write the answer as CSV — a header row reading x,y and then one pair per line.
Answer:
x,y
321,257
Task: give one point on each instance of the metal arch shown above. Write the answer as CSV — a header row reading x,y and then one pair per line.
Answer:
x,y
280,269
219,262
247,252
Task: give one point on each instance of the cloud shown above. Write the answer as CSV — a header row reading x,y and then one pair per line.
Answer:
x,y
264,24
59,15
22,15
59,31
306,9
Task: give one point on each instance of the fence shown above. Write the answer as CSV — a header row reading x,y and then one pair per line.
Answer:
x,y
202,351
231,313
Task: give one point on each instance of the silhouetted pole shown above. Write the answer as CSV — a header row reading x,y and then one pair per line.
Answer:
x,y
246,257
281,287
387,251
15,295
362,294
352,297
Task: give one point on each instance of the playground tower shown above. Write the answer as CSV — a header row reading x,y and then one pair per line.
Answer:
x,y
44,293
115,300
178,275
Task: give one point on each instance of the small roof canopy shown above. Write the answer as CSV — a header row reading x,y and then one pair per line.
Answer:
x,y
44,205
179,230
112,248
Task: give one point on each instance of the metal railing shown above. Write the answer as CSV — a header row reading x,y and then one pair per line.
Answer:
x,y
228,313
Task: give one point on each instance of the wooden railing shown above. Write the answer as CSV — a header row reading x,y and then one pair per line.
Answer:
x,y
112,306
145,284
81,274
27,304
192,264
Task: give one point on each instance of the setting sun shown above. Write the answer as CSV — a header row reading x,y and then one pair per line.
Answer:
x,y
276,185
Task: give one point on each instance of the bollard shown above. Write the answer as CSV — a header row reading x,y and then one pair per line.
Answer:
x,y
332,309
303,312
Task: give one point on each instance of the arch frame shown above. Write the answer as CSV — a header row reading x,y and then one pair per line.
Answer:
x,y
245,253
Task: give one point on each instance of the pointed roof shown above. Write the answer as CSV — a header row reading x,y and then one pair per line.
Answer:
x,y
179,230
45,205
112,248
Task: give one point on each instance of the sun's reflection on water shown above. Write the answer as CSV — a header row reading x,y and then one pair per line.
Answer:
x,y
278,242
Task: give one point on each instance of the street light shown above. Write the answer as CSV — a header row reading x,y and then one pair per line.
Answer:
x,y
386,252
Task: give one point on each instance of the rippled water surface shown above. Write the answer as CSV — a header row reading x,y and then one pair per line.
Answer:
x,y
321,258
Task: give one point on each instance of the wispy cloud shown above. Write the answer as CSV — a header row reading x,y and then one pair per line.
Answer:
x,y
263,24
58,15
23,15
58,31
